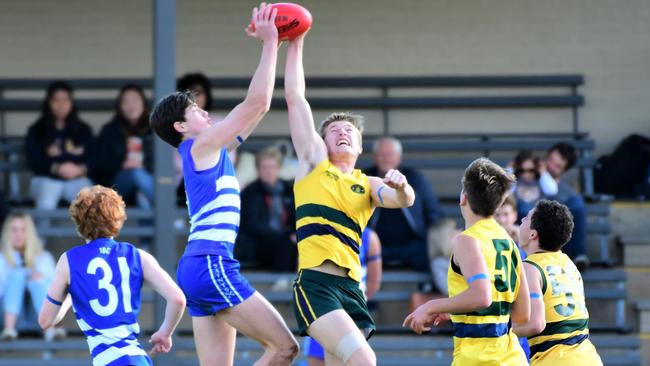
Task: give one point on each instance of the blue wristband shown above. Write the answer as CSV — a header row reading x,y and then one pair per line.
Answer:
x,y
239,139
57,303
535,295
479,276
373,258
381,200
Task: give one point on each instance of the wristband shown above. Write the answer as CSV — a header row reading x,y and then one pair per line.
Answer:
x,y
479,276
57,303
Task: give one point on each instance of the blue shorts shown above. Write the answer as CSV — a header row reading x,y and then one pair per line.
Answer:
x,y
211,283
313,349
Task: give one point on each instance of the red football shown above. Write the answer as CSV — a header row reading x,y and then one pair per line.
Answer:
x,y
292,20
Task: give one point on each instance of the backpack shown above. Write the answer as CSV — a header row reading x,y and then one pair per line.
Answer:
x,y
624,173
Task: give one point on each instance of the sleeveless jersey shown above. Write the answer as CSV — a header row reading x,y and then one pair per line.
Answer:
x,y
332,209
567,317
213,204
484,337
105,282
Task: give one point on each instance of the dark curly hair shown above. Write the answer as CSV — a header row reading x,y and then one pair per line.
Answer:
x,y
486,185
554,224
168,110
98,212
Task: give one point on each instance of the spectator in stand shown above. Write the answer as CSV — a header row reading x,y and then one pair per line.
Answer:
x,y
403,232
58,149
268,216
24,267
506,216
124,153
559,159
200,86
533,182
439,247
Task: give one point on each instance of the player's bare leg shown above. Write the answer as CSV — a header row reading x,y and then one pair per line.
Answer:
x,y
256,318
337,332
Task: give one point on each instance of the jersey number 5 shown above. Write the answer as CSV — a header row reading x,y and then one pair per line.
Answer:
x,y
105,284
506,262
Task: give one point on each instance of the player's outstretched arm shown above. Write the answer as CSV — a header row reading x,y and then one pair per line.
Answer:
x,y
537,319
466,253
310,147
393,191
241,121
58,301
159,279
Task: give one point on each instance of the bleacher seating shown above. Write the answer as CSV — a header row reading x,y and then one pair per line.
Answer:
x,y
429,152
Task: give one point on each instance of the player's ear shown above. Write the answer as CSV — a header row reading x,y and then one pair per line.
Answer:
x,y
533,235
180,126
463,198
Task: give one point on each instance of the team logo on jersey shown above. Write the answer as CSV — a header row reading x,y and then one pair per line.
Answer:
x,y
331,175
104,250
356,188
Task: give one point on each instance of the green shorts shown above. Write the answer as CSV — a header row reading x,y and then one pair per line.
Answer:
x,y
316,294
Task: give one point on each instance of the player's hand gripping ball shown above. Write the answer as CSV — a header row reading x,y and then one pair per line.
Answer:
x,y
292,20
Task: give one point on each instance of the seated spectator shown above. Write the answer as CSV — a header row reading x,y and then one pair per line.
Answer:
x,y
57,148
533,182
24,267
403,232
124,153
268,217
559,159
200,86
439,248
506,216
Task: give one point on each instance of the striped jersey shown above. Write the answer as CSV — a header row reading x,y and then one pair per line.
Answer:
x,y
363,258
567,318
105,282
332,209
485,337
213,203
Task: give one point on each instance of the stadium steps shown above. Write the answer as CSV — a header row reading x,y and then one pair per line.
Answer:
x,y
616,350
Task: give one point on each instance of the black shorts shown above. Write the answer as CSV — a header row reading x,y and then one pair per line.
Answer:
x,y
316,294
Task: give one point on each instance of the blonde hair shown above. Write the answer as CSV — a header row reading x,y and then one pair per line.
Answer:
x,y
98,212
355,119
33,244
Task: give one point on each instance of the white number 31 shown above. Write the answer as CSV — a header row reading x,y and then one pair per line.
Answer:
x,y
105,284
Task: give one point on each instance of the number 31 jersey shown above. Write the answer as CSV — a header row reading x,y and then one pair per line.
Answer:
x,y
564,340
484,337
105,282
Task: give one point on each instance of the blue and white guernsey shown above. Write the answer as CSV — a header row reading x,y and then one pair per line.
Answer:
x,y
213,203
105,282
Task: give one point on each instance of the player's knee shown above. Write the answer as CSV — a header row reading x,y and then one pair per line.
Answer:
x,y
284,352
363,356
353,349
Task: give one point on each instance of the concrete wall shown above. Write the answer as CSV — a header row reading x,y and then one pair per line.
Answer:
x,y
607,41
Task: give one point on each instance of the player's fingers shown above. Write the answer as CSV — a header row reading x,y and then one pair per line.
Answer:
x,y
274,14
426,329
407,321
254,14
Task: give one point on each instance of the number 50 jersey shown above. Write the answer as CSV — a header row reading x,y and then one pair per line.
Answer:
x,y
484,337
105,282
